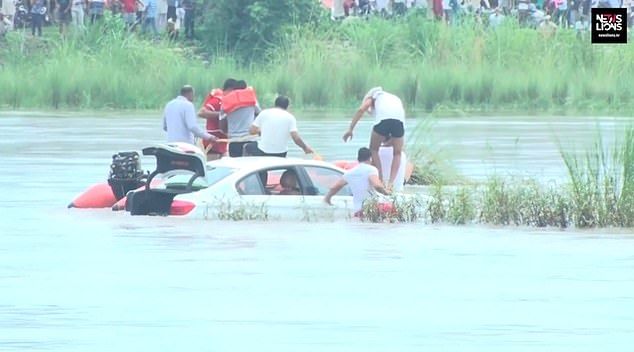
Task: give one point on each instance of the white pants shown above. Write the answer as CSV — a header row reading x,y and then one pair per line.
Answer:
x,y
161,21
78,17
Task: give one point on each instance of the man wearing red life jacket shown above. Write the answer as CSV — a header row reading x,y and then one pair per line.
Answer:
x,y
211,112
239,108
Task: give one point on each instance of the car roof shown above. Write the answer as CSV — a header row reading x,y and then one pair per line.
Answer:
x,y
262,162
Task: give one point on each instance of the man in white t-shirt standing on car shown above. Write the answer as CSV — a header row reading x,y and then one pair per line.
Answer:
x,y
363,180
275,127
389,124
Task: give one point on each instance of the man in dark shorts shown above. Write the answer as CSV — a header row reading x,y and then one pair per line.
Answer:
x,y
63,15
389,124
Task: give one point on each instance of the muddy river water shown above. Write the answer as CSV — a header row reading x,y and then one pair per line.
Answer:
x,y
74,280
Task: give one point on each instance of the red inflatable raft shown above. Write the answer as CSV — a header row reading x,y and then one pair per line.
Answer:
x,y
99,195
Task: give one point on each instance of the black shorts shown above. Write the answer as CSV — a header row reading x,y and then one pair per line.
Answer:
x,y
63,16
171,13
390,128
236,149
252,149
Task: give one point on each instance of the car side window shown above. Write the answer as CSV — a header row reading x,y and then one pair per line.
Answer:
x,y
282,181
250,186
323,179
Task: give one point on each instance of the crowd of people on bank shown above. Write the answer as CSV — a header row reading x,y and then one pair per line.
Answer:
x,y
236,127
533,13
173,16
155,16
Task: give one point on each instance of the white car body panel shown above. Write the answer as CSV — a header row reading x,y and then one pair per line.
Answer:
x,y
219,199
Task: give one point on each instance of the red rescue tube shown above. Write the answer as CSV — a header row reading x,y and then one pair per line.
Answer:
x,y
346,164
96,196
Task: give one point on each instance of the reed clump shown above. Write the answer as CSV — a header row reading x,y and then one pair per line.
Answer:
x,y
599,192
602,182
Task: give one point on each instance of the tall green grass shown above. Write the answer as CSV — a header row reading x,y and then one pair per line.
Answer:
x,y
602,182
599,192
430,65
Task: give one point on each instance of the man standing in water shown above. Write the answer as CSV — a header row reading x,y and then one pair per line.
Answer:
x,y
239,108
363,179
210,111
389,123
275,127
179,120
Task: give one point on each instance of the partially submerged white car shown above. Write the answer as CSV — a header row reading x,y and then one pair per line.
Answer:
x,y
239,188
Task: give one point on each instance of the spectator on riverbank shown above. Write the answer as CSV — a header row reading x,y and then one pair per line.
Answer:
x,y
180,18
140,11
77,13
171,10
5,24
8,10
349,7
115,7
496,18
63,15
337,10
399,7
381,7
96,10
161,17
547,28
128,10
188,6
150,17
37,17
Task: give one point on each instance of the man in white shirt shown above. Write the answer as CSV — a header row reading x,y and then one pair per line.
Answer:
x,y
275,127
389,124
363,180
179,119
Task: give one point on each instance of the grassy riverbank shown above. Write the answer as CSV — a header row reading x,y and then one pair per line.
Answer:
x,y
331,65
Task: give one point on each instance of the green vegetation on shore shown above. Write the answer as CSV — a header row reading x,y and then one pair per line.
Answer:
x,y
599,193
323,64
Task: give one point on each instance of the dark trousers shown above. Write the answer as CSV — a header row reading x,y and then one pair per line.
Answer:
x,y
251,149
36,23
94,18
171,13
236,149
189,24
400,9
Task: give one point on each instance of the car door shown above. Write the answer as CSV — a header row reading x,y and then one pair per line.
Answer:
x,y
316,183
261,191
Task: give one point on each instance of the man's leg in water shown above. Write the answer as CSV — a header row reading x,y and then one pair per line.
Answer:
x,y
375,144
397,147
